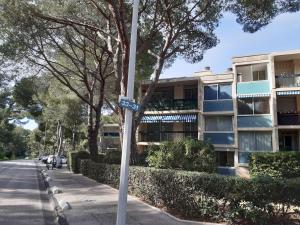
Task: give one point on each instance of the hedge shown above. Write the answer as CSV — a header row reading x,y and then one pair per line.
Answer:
x,y
74,162
208,196
275,164
187,154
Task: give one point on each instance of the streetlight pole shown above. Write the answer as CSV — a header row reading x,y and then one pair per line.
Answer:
x,y
126,145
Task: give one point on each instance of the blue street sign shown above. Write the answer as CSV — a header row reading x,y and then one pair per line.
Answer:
x,y
125,103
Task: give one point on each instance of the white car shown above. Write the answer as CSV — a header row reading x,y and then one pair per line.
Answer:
x,y
63,159
49,159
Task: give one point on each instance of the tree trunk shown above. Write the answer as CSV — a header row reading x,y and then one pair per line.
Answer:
x,y
93,144
134,151
73,139
60,137
92,135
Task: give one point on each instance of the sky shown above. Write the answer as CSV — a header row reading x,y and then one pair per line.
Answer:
x,y
280,35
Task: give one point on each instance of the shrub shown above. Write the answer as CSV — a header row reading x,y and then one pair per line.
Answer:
x,y
275,164
73,160
113,157
204,195
188,154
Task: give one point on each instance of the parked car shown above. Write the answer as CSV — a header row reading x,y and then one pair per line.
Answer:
x,y
49,159
44,159
63,159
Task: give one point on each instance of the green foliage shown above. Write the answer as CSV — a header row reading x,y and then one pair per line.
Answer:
x,y
109,119
23,94
73,160
275,164
109,157
188,154
113,157
13,139
210,196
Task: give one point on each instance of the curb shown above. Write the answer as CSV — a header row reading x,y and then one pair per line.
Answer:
x,y
57,206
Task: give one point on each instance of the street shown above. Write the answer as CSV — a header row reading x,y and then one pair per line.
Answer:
x,y
23,200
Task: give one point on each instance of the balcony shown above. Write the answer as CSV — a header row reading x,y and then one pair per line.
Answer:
x,y
254,121
253,87
219,138
167,136
288,118
285,81
173,104
218,106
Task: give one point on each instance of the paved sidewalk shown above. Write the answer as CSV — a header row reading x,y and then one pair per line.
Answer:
x,y
93,203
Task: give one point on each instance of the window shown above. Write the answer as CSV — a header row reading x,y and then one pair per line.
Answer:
x,y
259,75
253,72
225,91
190,93
211,92
111,134
248,106
244,157
225,159
190,127
158,131
163,93
255,141
217,91
218,123
191,130
166,127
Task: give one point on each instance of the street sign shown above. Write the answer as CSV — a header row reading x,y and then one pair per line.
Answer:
x,y
128,104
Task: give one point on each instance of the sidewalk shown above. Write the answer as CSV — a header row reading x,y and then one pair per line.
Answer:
x,y
93,203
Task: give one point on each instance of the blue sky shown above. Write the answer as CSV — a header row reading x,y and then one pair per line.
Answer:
x,y
282,34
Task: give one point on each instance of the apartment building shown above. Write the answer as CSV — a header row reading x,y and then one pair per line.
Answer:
x,y
252,107
109,137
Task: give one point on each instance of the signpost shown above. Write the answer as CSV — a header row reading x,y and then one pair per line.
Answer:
x,y
129,105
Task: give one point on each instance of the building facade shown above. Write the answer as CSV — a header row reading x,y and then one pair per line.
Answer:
x,y
253,107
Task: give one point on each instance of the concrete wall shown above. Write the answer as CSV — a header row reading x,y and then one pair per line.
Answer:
x,y
178,92
297,66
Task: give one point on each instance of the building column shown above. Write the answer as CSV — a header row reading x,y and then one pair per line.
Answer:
x,y
273,104
200,108
235,113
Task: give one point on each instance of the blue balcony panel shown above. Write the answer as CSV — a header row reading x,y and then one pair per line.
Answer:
x,y
255,121
220,138
217,106
254,87
226,171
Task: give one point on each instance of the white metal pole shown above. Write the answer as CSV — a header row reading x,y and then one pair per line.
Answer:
x,y
123,188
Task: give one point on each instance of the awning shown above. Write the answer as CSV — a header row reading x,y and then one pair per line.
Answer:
x,y
288,93
181,118
253,95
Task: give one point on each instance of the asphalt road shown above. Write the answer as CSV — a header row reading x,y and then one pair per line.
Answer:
x,y
23,199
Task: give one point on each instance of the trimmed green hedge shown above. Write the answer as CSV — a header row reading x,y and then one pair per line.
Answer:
x,y
208,196
111,157
275,164
74,162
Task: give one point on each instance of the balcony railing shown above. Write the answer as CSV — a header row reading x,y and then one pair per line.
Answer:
x,y
172,104
167,136
289,119
292,80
